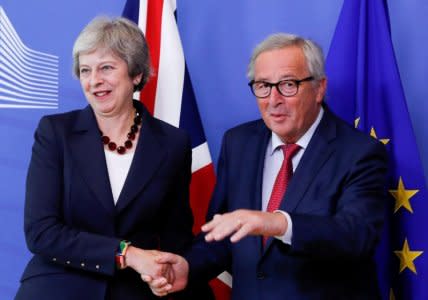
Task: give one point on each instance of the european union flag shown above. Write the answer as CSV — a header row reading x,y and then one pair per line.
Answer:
x,y
365,89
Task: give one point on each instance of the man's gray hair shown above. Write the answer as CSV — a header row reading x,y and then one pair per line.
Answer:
x,y
313,53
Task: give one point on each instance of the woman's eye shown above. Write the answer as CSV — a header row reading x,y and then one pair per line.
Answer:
x,y
84,71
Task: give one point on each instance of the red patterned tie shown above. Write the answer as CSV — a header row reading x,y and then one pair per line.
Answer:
x,y
282,179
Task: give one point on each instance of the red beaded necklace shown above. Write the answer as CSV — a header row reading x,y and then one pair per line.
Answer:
x,y
131,136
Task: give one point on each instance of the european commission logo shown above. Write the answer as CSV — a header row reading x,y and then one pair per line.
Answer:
x,y
28,78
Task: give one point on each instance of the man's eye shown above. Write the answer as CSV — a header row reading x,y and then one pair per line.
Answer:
x,y
261,85
288,84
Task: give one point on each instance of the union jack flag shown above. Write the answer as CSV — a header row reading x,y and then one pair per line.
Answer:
x,y
169,96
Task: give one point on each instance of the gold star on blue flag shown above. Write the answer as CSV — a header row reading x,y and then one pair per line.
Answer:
x,y
365,89
402,196
407,257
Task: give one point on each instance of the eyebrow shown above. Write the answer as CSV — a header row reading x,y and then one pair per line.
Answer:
x,y
282,78
100,63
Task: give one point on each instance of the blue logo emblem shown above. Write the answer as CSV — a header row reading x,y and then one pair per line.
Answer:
x,y
28,78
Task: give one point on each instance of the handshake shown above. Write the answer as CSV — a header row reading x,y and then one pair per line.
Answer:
x,y
167,272
164,272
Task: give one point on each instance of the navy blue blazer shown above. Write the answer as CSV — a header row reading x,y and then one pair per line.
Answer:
x,y
336,201
72,225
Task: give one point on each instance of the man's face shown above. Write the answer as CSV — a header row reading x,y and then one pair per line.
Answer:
x,y
288,117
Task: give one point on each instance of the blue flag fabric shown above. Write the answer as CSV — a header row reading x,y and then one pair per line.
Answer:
x,y
365,89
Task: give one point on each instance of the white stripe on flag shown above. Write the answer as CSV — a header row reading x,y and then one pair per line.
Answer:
x,y
200,157
226,278
142,17
169,89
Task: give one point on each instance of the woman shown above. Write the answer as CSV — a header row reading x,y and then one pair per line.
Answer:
x,y
107,182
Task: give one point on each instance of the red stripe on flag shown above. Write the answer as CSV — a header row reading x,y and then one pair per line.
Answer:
x,y
201,188
153,37
220,289
203,180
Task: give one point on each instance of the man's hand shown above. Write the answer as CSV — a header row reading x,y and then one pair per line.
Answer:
x,y
243,222
179,271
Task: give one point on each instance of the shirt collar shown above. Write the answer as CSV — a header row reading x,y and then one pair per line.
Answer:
x,y
303,142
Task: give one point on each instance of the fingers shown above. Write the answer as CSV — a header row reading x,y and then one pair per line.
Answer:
x,y
225,225
146,278
161,290
241,223
143,261
159,286
167,258
212,224
243,231
164,272
174,274
168,273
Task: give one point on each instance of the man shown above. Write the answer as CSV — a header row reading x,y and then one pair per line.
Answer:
x,y
318,240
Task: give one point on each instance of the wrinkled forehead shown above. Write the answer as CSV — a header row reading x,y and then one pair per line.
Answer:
x,y
281,63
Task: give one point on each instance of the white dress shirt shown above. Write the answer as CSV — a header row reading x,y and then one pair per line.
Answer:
x,y
273,161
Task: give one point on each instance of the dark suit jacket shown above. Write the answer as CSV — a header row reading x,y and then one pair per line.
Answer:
x,y
336,201
72,225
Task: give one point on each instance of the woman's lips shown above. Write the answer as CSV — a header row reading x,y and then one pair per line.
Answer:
x,y
101,94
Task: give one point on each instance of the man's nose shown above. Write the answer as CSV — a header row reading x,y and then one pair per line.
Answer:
x,y
275,96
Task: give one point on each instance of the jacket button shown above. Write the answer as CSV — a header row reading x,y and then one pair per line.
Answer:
x,y
68,262
54,259
82,264
97,267
261,275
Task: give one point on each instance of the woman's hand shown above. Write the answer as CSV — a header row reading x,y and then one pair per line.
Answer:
x,y
145,263
180,269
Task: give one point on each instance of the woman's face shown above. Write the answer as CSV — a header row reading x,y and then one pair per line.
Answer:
x,y
106,83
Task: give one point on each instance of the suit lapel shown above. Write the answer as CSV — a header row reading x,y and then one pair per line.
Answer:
x,y
261,139
149,154
88,153
317,153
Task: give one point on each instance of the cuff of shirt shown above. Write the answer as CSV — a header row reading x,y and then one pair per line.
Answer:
x,y
286,238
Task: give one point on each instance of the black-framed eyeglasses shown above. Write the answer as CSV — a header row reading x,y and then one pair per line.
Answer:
x,y
287,87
